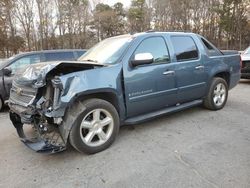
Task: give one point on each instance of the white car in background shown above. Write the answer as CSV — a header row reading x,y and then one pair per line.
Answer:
x,y
245,70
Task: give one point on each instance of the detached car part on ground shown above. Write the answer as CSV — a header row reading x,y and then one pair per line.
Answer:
x,y
122,80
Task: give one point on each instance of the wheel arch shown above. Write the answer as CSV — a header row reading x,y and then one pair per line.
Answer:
x,y
106,94
224,75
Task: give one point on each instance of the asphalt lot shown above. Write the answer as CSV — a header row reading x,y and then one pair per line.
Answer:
x,y
192,148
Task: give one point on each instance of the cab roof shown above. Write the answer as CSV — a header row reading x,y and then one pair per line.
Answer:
x,y
163,33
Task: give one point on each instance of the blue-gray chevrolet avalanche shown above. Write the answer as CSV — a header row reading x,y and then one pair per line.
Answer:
x,y
122,80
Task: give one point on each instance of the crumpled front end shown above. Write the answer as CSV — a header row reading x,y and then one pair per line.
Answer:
x,y
36,109
38,132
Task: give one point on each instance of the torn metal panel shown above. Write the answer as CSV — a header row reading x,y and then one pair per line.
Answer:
x,y
41,95
35,75
35,99
45,138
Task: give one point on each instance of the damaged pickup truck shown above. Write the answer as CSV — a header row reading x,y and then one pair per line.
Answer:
x,y
122,80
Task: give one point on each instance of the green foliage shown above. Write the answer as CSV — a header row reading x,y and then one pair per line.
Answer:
x,y
139,17
233,20
109,21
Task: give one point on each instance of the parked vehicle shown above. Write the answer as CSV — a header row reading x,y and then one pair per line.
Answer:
x,y
245,69
122,80
2,61
9,67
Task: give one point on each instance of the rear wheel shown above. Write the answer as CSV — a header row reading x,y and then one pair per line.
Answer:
x,y
217,95
96,126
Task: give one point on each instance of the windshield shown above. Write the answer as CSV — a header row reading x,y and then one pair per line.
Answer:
x,y
247,51
107,51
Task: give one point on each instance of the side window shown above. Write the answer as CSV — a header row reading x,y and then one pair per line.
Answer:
x,y
157,47
211,51
185,48
24,62
57,56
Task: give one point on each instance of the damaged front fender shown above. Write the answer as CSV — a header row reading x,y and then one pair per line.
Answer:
x,y
44,93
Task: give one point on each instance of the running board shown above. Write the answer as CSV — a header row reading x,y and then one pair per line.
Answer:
x,y
151,115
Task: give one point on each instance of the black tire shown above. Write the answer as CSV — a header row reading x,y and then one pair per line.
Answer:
x,y
209,100
1,104
81,110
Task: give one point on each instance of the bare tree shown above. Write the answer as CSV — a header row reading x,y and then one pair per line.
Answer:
x,y
47,23
24,12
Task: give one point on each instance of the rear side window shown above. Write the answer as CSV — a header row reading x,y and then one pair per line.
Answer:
x,y
185,48
57,56
157,47
211,51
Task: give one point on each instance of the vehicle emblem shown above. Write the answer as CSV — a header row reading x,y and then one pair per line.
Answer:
x,y
19,91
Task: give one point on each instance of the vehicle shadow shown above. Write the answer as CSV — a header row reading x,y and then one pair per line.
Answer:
x,y
162,119
125,130
4,110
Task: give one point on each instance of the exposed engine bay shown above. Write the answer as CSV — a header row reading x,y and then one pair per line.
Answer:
x,y
35,101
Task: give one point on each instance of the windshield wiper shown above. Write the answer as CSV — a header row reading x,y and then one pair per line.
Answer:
x,y
91,60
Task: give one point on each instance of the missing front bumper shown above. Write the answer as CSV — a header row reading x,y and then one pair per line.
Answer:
x,y
43,146
40,139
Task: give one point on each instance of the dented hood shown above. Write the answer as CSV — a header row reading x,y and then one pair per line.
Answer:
x,y
35,75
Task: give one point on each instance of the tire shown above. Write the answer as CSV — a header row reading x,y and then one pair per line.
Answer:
x,y
1,104
95,127
217,95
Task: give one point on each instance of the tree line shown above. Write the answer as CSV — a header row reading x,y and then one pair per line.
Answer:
x,y
27,25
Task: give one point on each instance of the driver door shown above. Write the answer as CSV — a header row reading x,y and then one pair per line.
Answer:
x,y
150,87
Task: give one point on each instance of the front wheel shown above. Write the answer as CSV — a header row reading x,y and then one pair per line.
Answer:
x,y
96,126
217,95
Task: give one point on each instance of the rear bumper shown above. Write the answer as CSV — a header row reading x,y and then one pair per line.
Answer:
x,y
43,140
234,80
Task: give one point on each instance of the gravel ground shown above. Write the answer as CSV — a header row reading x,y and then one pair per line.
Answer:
x,y
192,148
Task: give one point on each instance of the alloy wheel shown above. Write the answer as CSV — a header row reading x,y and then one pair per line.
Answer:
x,y
219,96
96,127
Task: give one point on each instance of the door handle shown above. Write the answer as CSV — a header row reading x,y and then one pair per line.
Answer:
x,y
169,73
199,67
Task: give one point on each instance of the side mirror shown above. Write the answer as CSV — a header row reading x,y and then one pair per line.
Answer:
x,y
7,71
142,58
